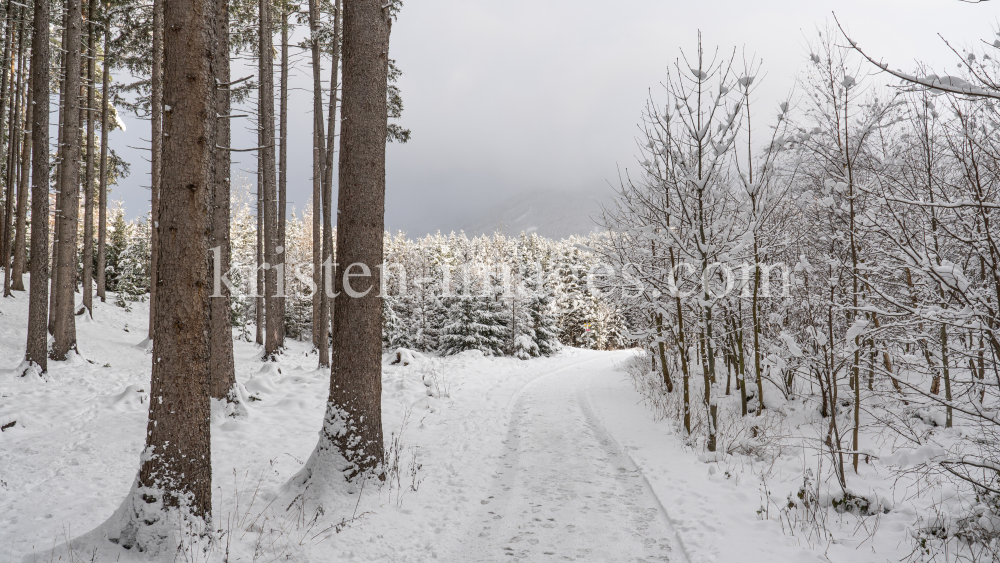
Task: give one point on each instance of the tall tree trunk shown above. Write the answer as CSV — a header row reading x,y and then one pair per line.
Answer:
x,y
14,154
60,154
756,321
174,488
259,299
855,273
330,136
319,331
156,159
10,35
283,159
20,249
38,296
272,312
88,182
223,368
102,199
328,278
350,442
353,423
69,186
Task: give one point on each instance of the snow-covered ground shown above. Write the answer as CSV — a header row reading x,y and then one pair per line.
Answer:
x,y
495,459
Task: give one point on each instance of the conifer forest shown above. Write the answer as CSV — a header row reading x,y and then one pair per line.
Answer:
x,y
249,315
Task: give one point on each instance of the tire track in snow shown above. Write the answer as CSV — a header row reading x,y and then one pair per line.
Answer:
x,y
583,394
563,489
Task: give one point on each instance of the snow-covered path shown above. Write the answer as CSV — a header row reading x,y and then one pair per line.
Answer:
x,y
498,460
563,489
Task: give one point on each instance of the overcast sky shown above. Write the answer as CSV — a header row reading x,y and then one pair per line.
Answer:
x,y
515,95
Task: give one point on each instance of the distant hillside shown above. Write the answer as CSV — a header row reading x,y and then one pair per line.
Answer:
x,y
552,214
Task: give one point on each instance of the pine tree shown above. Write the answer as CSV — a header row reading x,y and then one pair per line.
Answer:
x,y
575,306
36,352
171,499
65,259
524,343
118,241
394,329
352,428
223,386
88,182
132,265
540,309
102,198
475,322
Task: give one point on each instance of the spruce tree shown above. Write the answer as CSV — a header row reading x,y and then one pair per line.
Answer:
x,y
540,309
475,322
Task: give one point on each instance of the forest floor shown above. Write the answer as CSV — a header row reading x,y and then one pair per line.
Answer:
x,y
492,459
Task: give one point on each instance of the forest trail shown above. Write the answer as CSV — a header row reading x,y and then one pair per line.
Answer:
x,y
563,489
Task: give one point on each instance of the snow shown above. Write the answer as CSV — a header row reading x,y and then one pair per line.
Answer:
x,y
495,459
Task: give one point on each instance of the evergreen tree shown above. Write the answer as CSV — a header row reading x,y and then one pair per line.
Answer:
x,y
132,267
394,327
474,323
575,305
118,242
540,309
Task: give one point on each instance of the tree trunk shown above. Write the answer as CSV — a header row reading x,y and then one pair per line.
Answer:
x,y
69,186
174,490
855,366
329,281
755,319
38,296
283,160
102,201
13,154
320,334
328,167
88,182
685,369
738,360
60,153
223,368
259,295
20,249
272,311
663,356
156,159
353,423
6,81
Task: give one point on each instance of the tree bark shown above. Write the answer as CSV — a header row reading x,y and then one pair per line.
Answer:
x,y
102,199
330,136
283,159
663,356
259,299
69,186
319,329
60,153
223,368
88,182
174,488
353,422
38,296
272,311
13,152
14,155
156,159
20,250
10,35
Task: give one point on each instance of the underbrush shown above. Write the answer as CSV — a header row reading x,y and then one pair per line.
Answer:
x,y
912,470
